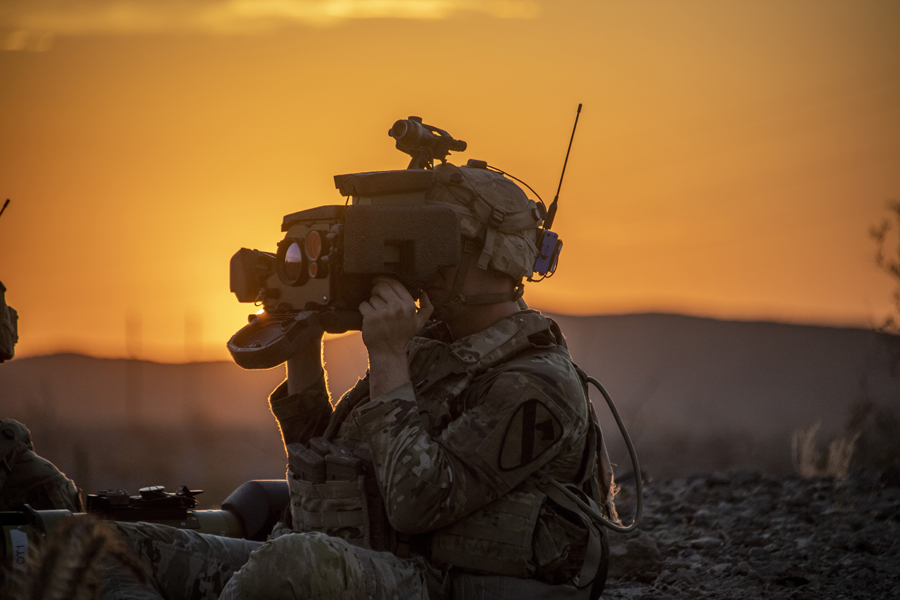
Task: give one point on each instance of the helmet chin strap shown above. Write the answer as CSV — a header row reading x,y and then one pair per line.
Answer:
x,y
458,299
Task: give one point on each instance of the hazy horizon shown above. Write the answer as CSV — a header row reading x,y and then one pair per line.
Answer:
x,y
695,394
328,337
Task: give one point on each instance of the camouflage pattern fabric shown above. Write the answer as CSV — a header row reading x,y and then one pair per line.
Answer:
x,y
485,415
314,565
189,565
26,478
439,466
492,208
183,563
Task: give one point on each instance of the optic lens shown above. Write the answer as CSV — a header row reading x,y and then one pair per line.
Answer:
x,y
313,245
293,262
313,269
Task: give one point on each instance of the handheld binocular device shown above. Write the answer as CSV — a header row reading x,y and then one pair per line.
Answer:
x,y
323,268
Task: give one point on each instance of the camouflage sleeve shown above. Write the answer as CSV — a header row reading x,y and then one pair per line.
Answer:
x,y
303,415
520,423
26,478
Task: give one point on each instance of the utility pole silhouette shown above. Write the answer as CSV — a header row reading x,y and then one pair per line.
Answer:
x,y
134,383
192,370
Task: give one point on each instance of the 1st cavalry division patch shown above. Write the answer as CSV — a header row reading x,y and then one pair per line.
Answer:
x,y
532,430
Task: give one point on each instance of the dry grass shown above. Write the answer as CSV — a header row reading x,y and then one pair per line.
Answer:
x,y
69,565
810,462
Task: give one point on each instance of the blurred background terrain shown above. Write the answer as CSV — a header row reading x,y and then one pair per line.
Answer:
x,y
697,395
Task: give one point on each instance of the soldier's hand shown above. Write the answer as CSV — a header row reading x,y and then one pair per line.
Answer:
x,y
391,317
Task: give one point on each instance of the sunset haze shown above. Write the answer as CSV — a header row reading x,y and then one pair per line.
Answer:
x,y
729,161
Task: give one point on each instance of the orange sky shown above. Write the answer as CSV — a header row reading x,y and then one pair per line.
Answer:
x,y
729,160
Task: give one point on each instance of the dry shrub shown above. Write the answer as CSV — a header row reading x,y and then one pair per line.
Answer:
x,y
69,564
878,446
810,462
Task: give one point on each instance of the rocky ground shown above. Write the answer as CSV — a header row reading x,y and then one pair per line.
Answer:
x,y
743,535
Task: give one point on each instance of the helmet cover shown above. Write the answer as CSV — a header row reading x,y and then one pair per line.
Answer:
x,y
492,209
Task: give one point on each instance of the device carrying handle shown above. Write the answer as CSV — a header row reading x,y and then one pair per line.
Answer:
x,y
269,340
589,510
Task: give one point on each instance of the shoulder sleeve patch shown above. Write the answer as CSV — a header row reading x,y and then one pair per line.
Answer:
x,y
531,431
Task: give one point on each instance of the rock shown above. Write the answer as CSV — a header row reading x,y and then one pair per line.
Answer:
x,y
703,517
864,543
718,478
757,554
890,477
792,580
636,557
696,494
746,478
705,542
798,501
886,513
665,577
686,577
787,537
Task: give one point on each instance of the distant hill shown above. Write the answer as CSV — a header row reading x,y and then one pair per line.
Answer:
x,y
700,394
112,423
83,390
697,394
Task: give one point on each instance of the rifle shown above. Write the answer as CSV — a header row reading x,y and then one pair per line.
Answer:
x,y
249,512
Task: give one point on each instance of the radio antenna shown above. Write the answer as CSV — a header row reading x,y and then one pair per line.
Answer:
x,y
5,204
551,212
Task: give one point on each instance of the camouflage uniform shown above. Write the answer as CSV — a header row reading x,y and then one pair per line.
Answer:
x,y
26,478
9,333
485,418
452,463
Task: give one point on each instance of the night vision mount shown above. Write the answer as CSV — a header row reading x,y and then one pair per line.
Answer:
x,y
419,141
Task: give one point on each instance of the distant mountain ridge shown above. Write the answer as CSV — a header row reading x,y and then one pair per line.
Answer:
x,y
696,393
699,394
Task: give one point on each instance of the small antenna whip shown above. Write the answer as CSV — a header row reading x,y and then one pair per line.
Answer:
x,y
5,204
551,212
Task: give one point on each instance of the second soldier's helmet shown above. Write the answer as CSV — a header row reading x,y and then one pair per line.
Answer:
x,y
494,212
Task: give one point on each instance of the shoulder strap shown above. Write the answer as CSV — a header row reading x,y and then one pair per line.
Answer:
x,y
347,403
595,554
596,476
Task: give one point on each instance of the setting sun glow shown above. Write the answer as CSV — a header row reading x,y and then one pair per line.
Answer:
x,y
729,160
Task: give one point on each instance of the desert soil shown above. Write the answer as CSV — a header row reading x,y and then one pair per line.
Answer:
x,y
743,535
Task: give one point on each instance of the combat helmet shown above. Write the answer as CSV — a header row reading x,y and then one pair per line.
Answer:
x,y
495,213
500,224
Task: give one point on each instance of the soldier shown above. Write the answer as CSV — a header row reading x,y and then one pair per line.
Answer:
x,y
25,477
9,333
437,463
